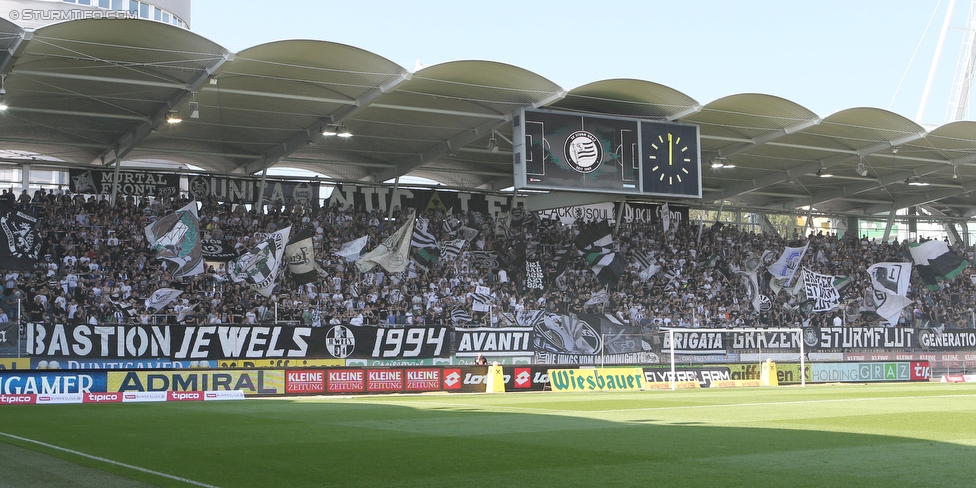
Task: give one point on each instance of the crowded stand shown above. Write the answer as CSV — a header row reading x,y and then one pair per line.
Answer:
x,y
97,267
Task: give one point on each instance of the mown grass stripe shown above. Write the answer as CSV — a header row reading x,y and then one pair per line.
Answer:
x,y
108,461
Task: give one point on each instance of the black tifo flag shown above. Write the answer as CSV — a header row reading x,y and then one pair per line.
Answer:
x,y
21,243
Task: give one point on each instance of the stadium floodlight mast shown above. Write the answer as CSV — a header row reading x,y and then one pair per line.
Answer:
x,y
792,330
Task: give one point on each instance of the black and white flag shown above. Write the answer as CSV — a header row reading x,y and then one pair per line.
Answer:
x,y
393,252
259,266
23,244
482,299
422,236
300,256
162,297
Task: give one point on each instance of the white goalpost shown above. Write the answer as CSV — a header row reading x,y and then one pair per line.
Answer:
x,y
794,330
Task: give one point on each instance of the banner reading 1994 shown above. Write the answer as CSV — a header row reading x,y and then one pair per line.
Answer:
x,y
235,342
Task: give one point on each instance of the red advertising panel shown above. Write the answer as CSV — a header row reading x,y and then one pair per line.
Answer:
x,y
305,381
384,380
102,398
426,379
523,378
452,379
18,399
920,371
346,381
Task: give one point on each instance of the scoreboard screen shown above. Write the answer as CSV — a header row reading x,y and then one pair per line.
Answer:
x,y
596,153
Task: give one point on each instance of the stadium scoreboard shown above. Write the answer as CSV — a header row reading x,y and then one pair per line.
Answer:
x,y
604,154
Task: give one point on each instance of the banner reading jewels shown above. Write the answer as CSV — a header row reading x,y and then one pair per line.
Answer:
x,y
234,342
129,183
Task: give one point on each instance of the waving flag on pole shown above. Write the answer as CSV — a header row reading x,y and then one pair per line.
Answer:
x,y
176,239
393,252
788,262
935,262
595,245
259,266
352,249
890,282
300,256
162,297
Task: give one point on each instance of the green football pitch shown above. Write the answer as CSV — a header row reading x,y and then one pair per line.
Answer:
x,y
827,435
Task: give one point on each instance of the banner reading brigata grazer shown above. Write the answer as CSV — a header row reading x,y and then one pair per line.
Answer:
x,y
235,342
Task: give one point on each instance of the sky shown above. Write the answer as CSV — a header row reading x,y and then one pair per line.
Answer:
x,y
825,55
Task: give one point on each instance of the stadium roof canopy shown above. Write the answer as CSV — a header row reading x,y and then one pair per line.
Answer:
x,y
91,92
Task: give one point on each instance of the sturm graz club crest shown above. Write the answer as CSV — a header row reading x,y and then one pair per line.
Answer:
x,y
340,341
583,151
810,337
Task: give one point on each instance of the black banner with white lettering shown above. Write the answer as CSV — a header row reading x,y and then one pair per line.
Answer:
x,y
373,198
245,190
217,342
502,341
860,337
129,183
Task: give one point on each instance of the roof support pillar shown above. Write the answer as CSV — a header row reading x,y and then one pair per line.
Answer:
x,y
891,222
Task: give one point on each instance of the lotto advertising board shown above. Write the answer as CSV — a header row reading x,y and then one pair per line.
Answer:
x,y
472,379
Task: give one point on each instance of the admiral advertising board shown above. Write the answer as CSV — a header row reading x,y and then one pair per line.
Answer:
x,y
251,382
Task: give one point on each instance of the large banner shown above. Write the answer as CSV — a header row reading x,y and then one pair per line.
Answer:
x,y
255,382
860,337
129,183
534,337
501,341
379,198
179,343
245,190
